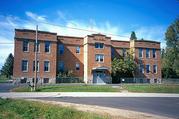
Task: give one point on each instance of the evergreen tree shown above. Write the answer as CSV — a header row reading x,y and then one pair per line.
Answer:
x,y
7,69
133,36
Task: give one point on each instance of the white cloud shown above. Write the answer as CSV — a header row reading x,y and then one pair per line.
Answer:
x,y
35,16
9,23
155,33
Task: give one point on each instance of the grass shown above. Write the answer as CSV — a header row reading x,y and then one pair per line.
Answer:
x,y
3,79
21,109
141,88
152,88
70,88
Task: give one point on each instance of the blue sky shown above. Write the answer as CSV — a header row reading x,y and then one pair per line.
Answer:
x,y
148,18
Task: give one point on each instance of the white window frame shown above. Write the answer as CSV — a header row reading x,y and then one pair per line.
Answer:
x,y
149,68
77,65
148,52
49,46
155,53
38,50
77,49
23,46
38,65
99,58
156,68
27,65
48,66
140,66
142,52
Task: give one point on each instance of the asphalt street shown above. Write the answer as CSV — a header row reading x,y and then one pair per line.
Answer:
x,y
6,87
164,106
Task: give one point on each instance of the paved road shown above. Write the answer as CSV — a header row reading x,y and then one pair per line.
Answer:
x,y
6,87
168,106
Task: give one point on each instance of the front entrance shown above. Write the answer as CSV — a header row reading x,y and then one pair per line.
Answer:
x,y
99,77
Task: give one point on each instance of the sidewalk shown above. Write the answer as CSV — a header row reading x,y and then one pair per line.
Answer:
x,y
82,94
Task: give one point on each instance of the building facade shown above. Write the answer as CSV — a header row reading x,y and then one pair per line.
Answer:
x,y
88,57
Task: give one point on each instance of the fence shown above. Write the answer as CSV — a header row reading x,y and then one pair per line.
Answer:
x,y
171,81
70,80
116,80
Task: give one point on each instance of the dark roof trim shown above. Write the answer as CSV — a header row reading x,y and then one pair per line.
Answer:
x,y
33,39
147,41
29,30
60,36
98,34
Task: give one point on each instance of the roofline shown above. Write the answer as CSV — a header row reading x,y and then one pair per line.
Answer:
x,y
120,41
70,36
30,30
98,34
147,41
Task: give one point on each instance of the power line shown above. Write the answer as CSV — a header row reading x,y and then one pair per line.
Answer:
x,y
75,28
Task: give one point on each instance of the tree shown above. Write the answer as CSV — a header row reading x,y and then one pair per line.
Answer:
x,y
7,69
170,59
123,67
133,36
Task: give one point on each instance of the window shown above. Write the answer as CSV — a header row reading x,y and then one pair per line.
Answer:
x,y
140,53
61,66
47,46
46,66
155,80
141,68
38,46
24,65
147,53
77,66
99,45
25,46
61,48
99,57
148,80
155,69
147,68
37,66
23,80
112,52
154,53
123,52
78,49
46,80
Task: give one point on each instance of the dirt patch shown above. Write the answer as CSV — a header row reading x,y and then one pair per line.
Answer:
x,y
113,113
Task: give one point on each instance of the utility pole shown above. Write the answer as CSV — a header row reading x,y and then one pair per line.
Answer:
x,y
36,44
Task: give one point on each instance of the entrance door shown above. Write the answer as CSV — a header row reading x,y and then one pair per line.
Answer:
x,y
98,77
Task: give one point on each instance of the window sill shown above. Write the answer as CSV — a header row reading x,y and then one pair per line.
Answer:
x,y
24,71
46,71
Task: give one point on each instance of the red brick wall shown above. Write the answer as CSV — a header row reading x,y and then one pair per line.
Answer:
x,y
70,57
30,56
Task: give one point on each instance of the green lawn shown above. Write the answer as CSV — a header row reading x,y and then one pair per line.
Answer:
x,y
152,88
70,88
3,79
20,109
143,88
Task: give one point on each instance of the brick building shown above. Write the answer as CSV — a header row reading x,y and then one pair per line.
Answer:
x,y
88,57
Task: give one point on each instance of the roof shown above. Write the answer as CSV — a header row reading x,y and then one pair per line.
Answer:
x,y
69,37
98,34
30,30
147,41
